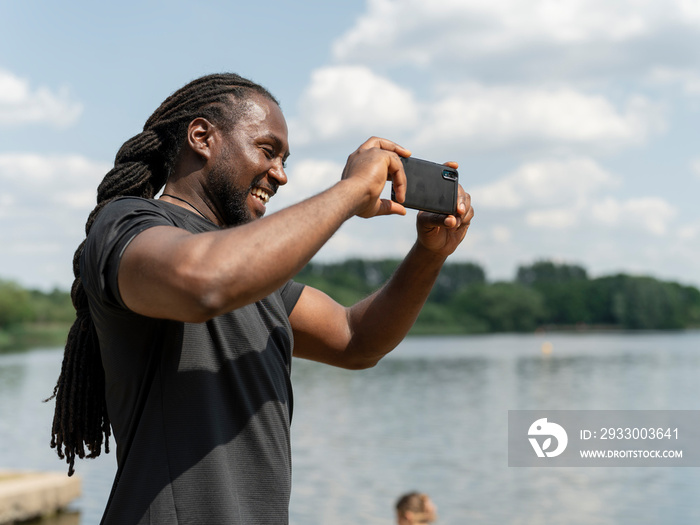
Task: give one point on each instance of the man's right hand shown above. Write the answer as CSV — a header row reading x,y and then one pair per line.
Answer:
x,y
373,164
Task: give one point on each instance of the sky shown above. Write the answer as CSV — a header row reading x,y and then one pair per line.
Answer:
x,y
575,123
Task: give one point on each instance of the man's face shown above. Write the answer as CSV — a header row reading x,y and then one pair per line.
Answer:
x,y
249,167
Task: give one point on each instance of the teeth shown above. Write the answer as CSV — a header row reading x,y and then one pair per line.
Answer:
x,y
261,194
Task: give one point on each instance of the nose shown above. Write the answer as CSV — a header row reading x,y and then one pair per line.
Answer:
x,y
277,172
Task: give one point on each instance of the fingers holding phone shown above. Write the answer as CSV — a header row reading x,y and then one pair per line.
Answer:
x,y
386,145
373,164
442,234
463,213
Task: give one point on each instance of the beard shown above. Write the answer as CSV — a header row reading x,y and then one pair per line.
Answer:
x,y
230,199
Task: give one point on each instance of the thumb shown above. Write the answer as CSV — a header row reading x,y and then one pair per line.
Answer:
x,y
389,207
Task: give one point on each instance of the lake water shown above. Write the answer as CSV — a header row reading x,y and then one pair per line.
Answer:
x,y
433,417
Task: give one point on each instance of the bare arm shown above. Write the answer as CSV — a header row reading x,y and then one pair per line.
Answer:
x,y
166,272
359,336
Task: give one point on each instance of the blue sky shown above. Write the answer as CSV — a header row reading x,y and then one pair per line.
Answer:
x,y
575,123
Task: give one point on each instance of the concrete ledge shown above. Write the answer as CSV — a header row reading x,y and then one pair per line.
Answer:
x,y
27,495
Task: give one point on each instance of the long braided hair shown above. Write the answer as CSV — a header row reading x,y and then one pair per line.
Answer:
x,y
141,169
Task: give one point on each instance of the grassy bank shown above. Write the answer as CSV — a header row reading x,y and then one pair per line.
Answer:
x,y
28,335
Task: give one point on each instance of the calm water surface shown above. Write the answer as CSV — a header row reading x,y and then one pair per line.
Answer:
x,y
433,416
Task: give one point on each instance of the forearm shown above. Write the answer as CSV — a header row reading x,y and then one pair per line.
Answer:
x,y
379,323
274,249
194,277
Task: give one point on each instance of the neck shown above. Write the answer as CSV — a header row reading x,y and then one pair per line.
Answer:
x,y
183,203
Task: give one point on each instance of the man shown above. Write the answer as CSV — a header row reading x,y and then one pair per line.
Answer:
x,y
415,508
187,314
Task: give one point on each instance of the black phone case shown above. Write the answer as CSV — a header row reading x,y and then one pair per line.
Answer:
x,y
430,186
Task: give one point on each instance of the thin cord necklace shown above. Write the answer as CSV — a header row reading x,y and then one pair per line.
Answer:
x,y
188,203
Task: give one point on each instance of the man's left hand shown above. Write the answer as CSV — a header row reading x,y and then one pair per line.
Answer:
x,y
442,234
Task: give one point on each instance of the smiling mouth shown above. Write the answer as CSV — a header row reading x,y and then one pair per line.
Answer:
x,y
261,194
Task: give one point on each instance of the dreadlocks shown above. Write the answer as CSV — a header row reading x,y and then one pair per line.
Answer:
x,y
141,169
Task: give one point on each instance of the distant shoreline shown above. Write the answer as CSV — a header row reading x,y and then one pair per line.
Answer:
x,y
565,330
31,335
34,335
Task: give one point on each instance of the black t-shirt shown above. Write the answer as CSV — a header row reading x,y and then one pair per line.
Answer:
x,y
200,412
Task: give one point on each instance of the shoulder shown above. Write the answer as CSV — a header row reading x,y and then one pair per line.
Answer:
x,y
114,228
133,206
138,214
125,217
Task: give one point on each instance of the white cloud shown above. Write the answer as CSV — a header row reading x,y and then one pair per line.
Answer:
x,y
552,184
66,181
307,177
690,11
555,219
649,214
561,195
689,232
21,104
496,116
501,234
345,100
422,32
695,167
688,79
45,203
380,237
23,249
315,175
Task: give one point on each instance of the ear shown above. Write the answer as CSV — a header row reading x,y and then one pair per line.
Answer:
x,y
202,136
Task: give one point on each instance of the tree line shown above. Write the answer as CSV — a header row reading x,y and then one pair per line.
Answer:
x,y
542,295
33,317
21,306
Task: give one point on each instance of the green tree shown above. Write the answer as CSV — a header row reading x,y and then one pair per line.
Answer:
x,y
52,307
543,293
437,318
502,306
691,300
15,304
454,278
645,303
548,272
564,288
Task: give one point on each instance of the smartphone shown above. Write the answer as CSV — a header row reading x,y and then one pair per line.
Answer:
x,y
429,186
